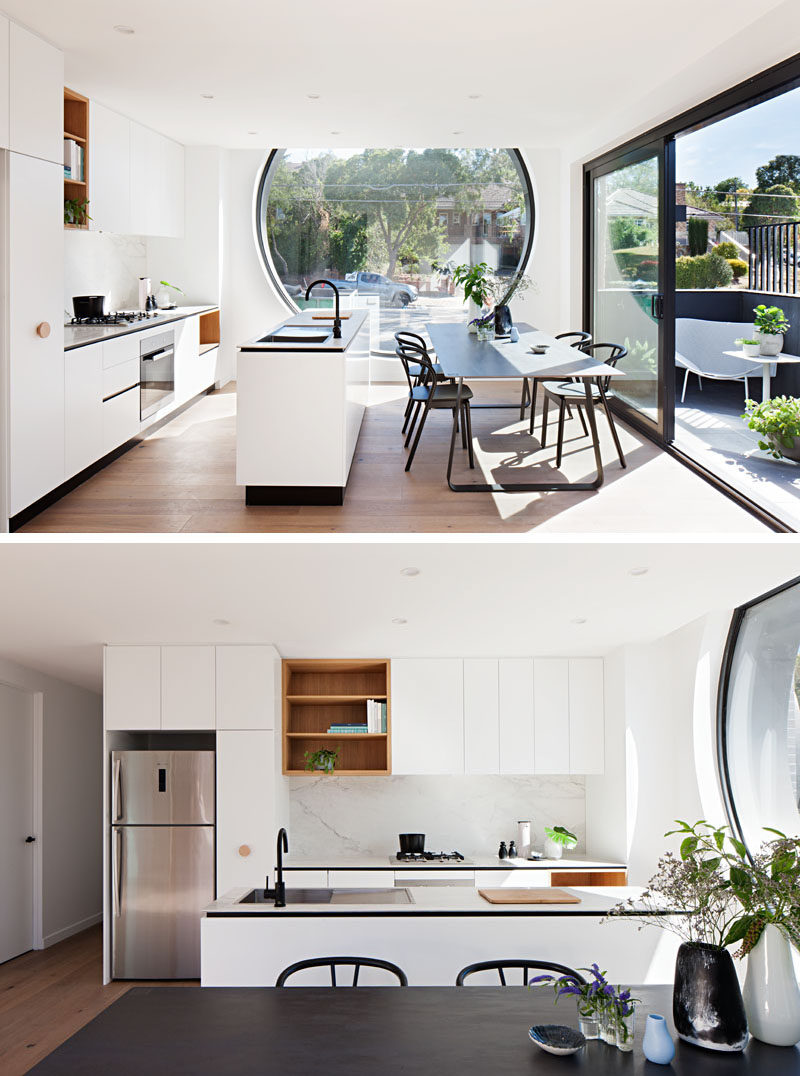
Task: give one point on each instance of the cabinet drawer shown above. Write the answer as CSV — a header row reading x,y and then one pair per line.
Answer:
x,y
360,879
422,875
120,419
124,375
121,349
305,879
516,879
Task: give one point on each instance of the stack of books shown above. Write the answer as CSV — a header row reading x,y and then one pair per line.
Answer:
x,y
73,160
344,730
376,715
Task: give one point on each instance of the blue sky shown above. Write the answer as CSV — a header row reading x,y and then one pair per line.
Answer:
x,y
738,145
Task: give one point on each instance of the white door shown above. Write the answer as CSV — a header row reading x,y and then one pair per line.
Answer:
x,y
36,293
16,822
36,97
247,823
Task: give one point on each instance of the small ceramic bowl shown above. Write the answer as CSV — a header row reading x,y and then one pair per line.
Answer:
x,y
557,1039
539,349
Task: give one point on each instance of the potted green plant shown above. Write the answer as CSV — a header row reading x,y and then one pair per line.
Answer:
x,y
556,839
76,211
770,324
778,421
324,760
164,298
472,278
751,347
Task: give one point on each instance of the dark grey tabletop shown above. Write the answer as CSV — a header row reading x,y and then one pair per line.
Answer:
x,y
367,1031
461,354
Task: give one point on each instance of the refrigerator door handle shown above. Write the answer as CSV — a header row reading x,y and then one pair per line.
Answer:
x,y
117,806
116,873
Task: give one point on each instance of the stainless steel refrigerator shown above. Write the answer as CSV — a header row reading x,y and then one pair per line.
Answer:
x,y
162,861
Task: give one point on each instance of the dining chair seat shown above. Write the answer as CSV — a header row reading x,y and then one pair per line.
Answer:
x,y
427,392
440,395
416,370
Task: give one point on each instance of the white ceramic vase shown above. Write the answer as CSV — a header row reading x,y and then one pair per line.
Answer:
x,y
771,343
771,995
552,849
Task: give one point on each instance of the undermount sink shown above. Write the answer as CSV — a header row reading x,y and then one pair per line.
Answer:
x,y
297,334
333,896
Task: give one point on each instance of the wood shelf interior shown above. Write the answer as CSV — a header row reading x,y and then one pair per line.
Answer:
x,y
209,330
318,694
76,127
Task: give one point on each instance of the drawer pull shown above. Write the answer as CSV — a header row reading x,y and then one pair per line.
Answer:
x,y
244,850
43,329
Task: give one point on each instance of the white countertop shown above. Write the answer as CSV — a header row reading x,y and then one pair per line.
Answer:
x,y
479,861
434,900
82,335
350,326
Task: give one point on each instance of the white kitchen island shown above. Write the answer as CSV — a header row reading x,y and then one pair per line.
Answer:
x,y
440,931
299,404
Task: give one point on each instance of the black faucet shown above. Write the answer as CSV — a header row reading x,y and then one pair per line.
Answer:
x,y
337,321
278,894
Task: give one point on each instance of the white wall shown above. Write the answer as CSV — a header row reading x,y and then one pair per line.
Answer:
x,y
71,841
101,263
344,816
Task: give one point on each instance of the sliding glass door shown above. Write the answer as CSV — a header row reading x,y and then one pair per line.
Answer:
x,y
629,290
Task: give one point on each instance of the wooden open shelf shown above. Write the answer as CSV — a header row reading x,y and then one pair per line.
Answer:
x,y
209,331
320,693
76,127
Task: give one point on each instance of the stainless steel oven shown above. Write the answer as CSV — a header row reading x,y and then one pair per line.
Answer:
x,y
156,373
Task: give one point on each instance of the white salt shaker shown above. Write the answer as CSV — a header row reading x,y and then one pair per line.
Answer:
x,y
523,839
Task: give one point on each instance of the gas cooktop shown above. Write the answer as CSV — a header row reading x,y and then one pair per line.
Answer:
x,y
428,857
120,317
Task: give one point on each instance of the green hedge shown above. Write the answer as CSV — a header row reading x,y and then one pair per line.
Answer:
x,y
703,271
726,250
738,266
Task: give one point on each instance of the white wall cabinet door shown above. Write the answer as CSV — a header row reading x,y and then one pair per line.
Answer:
x,y
248,687
481,716
174,200
551,714
110,170
4,88
246,819
187,687
427,715
83,407
132,687
36,97
36,293
515,695
157,196
586,716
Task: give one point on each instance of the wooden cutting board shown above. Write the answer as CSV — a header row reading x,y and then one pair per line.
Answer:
x,y
545,895
329,317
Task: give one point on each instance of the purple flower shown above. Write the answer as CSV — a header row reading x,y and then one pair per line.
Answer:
x,y
541,979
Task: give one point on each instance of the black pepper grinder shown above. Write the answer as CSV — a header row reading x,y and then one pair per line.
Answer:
x,y
512,850
503,853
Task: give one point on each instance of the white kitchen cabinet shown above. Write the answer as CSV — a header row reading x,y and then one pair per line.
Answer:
x,y
551,714
187,366
83,407
247,816
4,46
302,879
427,874
36,97
427,715
511,879
515,695
110,170
248,687
120,418
132,687
35,271
187,687
586,716
157,197
481,716
360,879
174,199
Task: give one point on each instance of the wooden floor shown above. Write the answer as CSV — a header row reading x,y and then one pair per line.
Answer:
x,y
48,994
182,479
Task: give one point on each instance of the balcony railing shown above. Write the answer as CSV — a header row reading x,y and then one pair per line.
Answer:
x,y
773,257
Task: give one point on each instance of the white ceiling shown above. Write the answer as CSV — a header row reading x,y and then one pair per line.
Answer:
x,y
62,600
401,74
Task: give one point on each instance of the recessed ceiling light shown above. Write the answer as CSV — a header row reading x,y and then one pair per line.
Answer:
x,y
399,620
474,96
579,620
409,571
458,132
221,622
124,29
312,96
252,132
207,96
335,132
642,570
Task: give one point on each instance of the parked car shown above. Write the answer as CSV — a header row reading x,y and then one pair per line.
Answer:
x,y
391,292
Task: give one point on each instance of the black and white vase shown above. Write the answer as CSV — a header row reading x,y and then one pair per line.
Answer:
x,y
707,1005
502,320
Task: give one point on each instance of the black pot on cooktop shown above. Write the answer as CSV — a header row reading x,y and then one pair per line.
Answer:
x,y
412,842
89,306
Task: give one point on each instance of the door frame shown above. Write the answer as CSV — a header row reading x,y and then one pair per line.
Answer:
x,y
37,789
662,430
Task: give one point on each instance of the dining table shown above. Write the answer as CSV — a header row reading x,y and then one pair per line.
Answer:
x,y
371,1031
463,357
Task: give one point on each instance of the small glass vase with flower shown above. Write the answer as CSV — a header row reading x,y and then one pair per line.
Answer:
x,y
603,1012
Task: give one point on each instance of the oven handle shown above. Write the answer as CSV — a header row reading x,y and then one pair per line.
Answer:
x,y
155,354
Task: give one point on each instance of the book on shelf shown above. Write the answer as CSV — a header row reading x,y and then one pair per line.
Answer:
x,y
343,730
73,159
376,716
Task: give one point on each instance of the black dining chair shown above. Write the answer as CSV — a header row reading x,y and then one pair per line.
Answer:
x,y
574,392
334,962
501,966
427,393
577,339
407,337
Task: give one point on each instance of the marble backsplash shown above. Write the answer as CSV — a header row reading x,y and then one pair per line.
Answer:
x,y
101,263
348,816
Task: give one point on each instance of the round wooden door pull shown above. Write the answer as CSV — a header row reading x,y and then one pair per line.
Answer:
x,y
43,329
244,850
